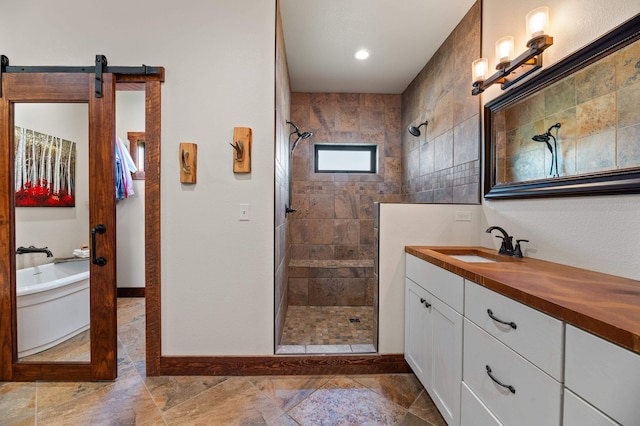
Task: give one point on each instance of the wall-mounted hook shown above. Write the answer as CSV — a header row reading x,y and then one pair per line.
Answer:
x,y
188,162
239,147
185,161
242,149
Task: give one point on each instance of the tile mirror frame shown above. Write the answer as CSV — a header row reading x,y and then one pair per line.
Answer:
x,y
605,182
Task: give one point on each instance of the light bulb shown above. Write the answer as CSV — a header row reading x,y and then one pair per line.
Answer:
x,y
479,69
504,51
537,22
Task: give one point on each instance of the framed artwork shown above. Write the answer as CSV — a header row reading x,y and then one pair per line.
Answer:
x,y
44,170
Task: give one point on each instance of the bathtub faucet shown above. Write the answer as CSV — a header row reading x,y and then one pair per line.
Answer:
x,y
32,249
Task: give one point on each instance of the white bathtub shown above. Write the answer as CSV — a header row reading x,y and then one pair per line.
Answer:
x,y
53,304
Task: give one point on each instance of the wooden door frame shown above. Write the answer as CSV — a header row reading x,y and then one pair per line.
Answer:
x,y
151,84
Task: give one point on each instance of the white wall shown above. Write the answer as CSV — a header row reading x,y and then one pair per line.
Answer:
x,y
62,229
414,224
597,233
130,211
217,272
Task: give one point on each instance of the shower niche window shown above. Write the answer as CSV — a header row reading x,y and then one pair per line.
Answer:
x,y
334,158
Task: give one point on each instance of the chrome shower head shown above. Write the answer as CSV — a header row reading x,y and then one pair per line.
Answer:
x,y
415,131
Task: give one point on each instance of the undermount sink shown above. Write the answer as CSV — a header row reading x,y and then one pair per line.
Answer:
x,y
472,258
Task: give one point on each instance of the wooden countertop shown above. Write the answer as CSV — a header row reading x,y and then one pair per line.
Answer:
x,y
605,305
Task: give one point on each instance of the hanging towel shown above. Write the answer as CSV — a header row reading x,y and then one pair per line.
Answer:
x,y
124,168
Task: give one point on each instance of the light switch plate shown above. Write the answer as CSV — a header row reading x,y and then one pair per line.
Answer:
x,y
244,212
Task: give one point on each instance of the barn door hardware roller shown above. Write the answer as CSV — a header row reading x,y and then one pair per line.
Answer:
x,y
99,69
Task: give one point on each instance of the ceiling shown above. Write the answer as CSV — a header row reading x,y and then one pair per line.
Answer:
x,y
321,37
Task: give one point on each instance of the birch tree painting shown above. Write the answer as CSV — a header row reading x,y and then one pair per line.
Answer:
x,y
44,170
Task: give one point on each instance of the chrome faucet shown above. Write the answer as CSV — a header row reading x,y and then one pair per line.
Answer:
x,y
507,243
32,249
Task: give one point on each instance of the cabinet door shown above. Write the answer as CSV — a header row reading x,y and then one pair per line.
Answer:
x,y
416,331
605,375
474,412
577,412
446,360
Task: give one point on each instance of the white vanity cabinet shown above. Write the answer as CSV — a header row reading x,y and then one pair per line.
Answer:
x,y
519,365
605,376
433,333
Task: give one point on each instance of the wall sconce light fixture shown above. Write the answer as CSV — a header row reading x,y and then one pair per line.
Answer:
x,y
509,69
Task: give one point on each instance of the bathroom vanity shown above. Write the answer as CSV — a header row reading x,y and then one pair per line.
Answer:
x,y
498,340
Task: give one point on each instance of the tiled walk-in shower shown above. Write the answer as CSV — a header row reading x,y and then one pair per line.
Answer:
x,y
328,329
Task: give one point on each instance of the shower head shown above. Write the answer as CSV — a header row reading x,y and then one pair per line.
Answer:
x,y
543,138
305,135
301,135
415,131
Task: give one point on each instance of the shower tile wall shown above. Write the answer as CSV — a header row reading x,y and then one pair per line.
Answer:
x,y
334,218
597,109
443,164
282,247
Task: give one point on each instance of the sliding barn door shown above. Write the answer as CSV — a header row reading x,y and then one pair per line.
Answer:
x,y
30,91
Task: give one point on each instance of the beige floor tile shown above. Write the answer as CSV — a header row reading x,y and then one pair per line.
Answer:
x,y
413,420
75,349
426,410
167,392
236,401
342,401
17,403
125,402
403,389
289,391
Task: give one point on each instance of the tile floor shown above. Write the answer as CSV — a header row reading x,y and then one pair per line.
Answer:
x,y
132,399
327,329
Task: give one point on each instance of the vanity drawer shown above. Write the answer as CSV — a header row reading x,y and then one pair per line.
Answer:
x,y
605,375
443,284
537,337
578,412
474,412
537,397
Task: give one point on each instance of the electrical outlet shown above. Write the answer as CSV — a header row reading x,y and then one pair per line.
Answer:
x,y
463,216
244,212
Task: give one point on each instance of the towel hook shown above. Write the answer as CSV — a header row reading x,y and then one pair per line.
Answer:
x,y
239,147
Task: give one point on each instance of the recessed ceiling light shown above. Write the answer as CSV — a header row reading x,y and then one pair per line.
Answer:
x,y
361,54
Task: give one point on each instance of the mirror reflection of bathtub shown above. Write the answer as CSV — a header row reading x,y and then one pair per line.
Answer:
x,y
53,307
61,229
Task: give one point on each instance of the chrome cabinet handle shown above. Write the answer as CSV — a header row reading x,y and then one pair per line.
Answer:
x,y
425,303
510,324
511,388
98,229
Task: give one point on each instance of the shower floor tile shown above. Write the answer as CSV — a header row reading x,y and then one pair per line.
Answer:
x,y
328,325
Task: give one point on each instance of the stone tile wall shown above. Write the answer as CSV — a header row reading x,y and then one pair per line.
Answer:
x,y
598,111
443,164
334,217
282,245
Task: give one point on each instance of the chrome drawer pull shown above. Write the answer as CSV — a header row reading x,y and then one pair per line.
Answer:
x,y
426,304
511,388
510,324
